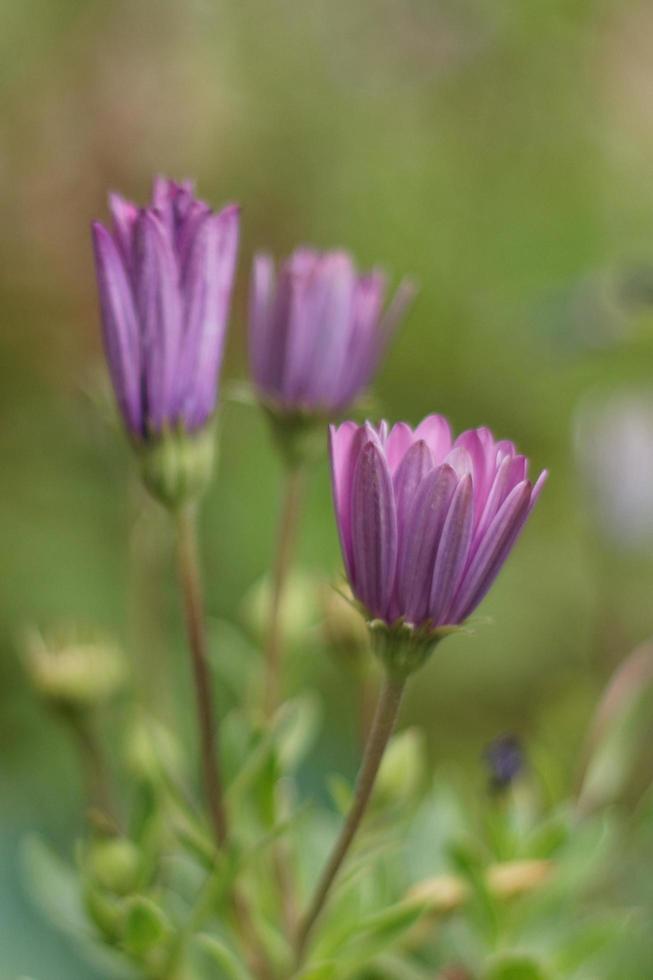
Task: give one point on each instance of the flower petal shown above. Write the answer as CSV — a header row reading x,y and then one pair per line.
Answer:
x,y
492,551
417,462
119,327
374,531
452,552
419,542
345,442
158,303
206,287
435,430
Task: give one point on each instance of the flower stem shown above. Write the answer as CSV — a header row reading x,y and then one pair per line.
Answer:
x,y
190,579
382,727
189,574
285,544
94,766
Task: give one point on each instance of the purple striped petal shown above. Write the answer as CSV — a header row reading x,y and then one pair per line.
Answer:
x,y
452,551
492,551
345,443
119,328
158,303
374,531
417,462
206,291
419,542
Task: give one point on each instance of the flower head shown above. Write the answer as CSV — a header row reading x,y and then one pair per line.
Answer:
x,y
505,761
317,330
165,274
426,522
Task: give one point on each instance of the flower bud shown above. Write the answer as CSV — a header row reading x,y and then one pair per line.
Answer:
x,y
114,864
177,466
403,767
344,627
298,608
510,879
71,671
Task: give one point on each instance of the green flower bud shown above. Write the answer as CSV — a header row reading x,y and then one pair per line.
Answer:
x,y
152,750
115,864
177,466
344,627
403,767
298,608
145,926
71,671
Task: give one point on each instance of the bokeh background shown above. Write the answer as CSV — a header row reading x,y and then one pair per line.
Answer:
x,y
500,153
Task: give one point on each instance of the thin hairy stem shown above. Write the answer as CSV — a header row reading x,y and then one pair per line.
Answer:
x,y
96,776
190,578
382,727
285,545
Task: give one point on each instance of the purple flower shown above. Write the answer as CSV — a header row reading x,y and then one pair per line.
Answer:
x,y
317,329
505,760
165,275
426,523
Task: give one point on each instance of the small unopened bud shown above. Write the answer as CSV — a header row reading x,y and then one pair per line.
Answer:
x,y
403,766
505,761
115,864
344,627
511,879
440,895
151,750
177,466
298,607
72,671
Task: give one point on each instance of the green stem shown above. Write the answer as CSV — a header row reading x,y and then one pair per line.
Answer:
x,y
189,574
94,766
382,727
285,545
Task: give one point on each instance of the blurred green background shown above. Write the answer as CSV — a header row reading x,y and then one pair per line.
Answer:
x,y
498,152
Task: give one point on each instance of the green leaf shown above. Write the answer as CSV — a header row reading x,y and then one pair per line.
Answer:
x,y
53,886
340,792
361,941
296,728
220,954
515,966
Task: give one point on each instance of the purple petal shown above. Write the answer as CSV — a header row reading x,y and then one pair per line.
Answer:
x,y
419,541
124,215
417,462
399,304
261,317
374,531
452,551
158,303
207,287
434,429
483,463
345,443
460,461
319,334
119,327
492,551
399,441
